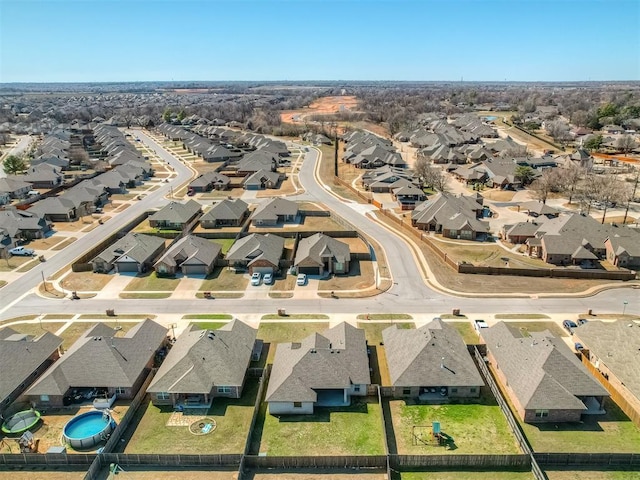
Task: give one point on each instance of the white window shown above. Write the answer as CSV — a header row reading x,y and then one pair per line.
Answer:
x,y
224,389
542,413
44,398
163,395
121,390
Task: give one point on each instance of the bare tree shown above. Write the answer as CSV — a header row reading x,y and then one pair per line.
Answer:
x,y
569,179
515,152
625,143
608,190
430,175
546,183
558,130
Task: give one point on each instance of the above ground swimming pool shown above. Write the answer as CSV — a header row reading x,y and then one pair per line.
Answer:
x,y
88,429
21,421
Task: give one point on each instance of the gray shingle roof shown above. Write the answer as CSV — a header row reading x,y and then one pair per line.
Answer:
x,y
137,246
319,246
335,359
99,359
433,355
226,210
203,359
541,369
257,247
176,212
617,345
20,355
274,208
191,250
450,211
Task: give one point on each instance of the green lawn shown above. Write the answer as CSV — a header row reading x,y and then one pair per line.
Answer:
x,y
467,332
353,430
224,278
281,332
208,316
520,316
36,329
225,243
373,331
525,327
384,316
598,475
470,476
612,432
478,428
296,316
208,325
233,418
151,282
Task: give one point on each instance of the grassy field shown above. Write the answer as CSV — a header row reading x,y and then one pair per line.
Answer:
x,y
225,243
232,416
612,432
478,428
36,329
151,282
526,327
296,316
282,332
467,332
373,331
208,316
224,278
208,325
353,430
469,476
85,281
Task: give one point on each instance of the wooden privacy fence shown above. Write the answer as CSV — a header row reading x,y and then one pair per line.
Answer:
x,y
52,459
632,411
345,461
516,462
177,460
600,460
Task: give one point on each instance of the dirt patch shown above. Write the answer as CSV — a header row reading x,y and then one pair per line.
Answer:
x,y
64,244
499,195
45,243
85,281
40,473
73,226
360,276
321,106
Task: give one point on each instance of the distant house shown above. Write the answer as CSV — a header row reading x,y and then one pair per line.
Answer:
x,y
612,129
277,210
543,378
190,255
12,187
323,370
135,252
430,363
23,358
56,209
387,178
536,208
256,161
520,232
103,362
175,215
408,196
226,213
23,224
206,364
210,181
377,156
261,179
612,349
256,253
453,216
319,254
43,176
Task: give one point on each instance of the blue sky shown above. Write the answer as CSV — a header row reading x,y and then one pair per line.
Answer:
x,y
137,40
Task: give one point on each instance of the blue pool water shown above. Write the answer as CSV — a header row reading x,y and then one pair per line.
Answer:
x,y
86,425
490,118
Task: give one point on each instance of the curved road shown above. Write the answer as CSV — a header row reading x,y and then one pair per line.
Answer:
x,y
409,294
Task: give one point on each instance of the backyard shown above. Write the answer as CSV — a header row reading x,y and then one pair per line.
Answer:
x,y
276,332
353,430
477,428
232,416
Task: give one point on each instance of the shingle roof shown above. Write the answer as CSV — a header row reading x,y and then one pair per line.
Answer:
x,y
541,370
203,359
434,354
256,247
20,355
452,212
137,246
176,212
319,246
191,250
273,208
617,345
337,358
100,359
226,210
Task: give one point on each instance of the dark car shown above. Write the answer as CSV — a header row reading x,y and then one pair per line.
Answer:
x,y
569,325
582,321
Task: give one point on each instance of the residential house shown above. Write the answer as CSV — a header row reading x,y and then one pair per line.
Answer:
x,y
175,215
261,179
612,348
323,370
377,156
23,224
12,187
453,216
23,358
206,364
210,181
226,213
320,254
256,253
101,361
430,363
190,255
536,208
256,161
56,209
135,252
42,176
542,376
386,178
613,129
408,196
275,211
623,248
520,232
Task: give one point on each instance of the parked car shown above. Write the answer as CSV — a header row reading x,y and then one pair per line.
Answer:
x,y
22,252
255,278
302,279
268,278
479,325
582,321
569,325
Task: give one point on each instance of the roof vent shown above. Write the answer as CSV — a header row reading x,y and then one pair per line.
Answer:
x,y
313,350
211,335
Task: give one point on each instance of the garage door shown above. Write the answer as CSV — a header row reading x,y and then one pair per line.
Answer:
x,y
127,267
262,270
194,269
309,270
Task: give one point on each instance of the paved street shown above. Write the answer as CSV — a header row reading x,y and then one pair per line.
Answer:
x,y
409,293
